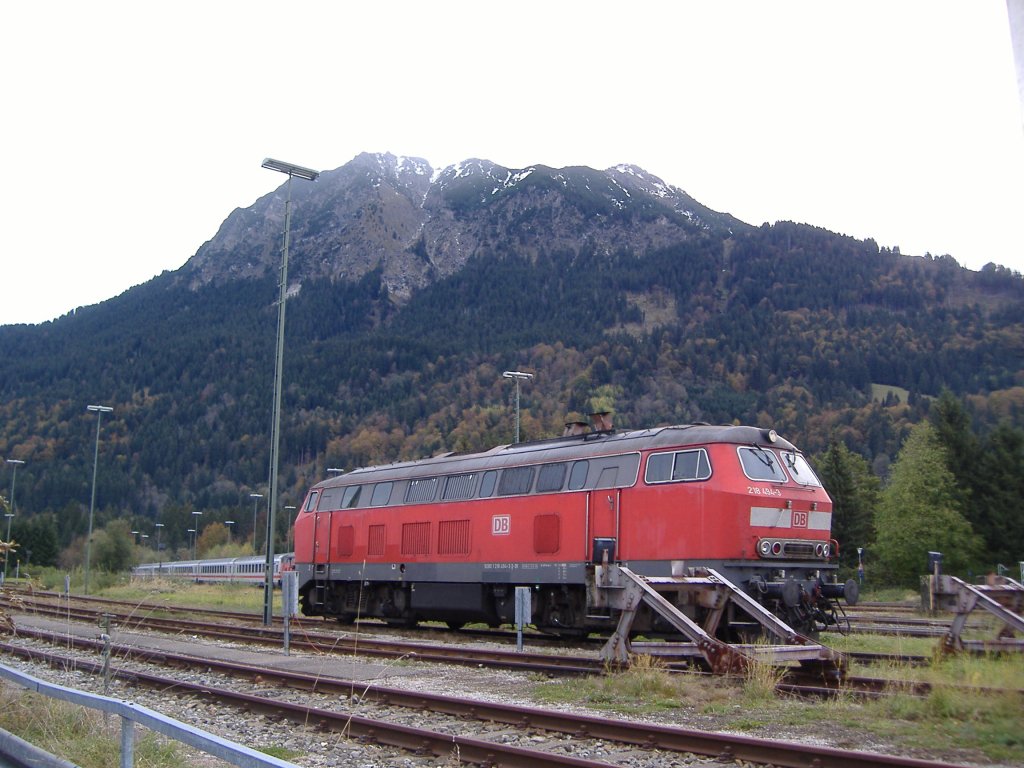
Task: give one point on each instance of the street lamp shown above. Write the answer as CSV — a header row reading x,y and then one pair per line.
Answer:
x,y
15,463
159,552
99,410
288,510
255,502
335,470
195,517
136,535
275,438
517,376
229,523
8,515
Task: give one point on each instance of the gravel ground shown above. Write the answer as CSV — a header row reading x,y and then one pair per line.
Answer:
x,y
317,749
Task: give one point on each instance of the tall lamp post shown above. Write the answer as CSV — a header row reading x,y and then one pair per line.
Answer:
x,y
288,511
195,521
8,515
275,438
517,376
15,463
159,552
255,502
99,410
229,523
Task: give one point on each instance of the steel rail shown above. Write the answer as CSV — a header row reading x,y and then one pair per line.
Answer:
x,y
648,736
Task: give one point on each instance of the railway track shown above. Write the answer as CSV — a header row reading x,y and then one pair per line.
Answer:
x,y
311,636
650,738
316,635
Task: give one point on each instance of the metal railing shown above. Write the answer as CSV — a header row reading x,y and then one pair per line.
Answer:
x,y
130,714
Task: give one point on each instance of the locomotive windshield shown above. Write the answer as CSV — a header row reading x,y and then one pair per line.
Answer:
x,y
800,470
760,464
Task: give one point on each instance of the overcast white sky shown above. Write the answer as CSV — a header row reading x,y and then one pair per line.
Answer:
x,y
132,129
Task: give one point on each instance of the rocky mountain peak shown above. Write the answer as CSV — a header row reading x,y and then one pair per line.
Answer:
x,y
415,224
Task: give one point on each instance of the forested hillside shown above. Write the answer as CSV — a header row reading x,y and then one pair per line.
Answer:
x,y
785,326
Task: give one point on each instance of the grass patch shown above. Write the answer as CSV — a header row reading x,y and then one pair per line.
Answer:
x,y
951,721
78,734
645,688
229,597
868,643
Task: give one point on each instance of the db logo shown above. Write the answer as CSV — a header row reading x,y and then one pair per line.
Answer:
x,y
799,519
501,525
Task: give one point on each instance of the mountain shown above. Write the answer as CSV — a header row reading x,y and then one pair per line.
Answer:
x,y
412,289
417,226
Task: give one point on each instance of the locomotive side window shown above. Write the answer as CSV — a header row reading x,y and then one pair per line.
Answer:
x,y
679,466
381,494
421,490
311,501
488,482
608,478
800,470
458,487
760,464
692,465
330,498
515,481
659,468
578,476
351,497
551,478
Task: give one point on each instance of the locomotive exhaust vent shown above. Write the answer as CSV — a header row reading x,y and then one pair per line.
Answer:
x,y
602,421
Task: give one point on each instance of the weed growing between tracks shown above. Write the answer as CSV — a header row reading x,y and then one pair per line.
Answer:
x,y
946,725
645,688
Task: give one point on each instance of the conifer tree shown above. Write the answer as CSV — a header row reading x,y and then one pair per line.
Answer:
x,y
855,496
918,513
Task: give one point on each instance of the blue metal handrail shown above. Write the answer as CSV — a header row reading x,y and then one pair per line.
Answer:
x,y
130,713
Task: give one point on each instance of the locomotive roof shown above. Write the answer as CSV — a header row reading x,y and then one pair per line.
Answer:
x,y
563,449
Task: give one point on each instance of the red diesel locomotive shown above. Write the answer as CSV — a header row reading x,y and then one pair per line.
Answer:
x,y
450,538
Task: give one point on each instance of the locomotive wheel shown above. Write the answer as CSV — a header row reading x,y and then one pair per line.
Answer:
x,y
455,626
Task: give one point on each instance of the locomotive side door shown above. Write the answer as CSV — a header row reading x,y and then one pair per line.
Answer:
x,y
322,537
603,524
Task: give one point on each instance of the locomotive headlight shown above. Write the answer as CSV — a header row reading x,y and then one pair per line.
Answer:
x,y
765,547
777,548
826,550
819,550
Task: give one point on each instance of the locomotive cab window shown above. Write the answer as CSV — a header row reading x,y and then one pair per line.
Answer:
x,y
311,501
800,470
680,466
761,464
330,499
